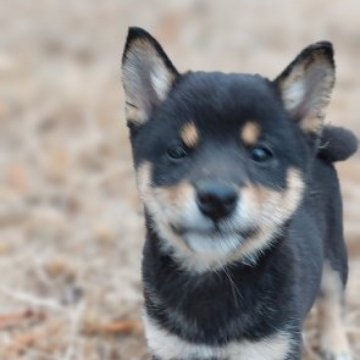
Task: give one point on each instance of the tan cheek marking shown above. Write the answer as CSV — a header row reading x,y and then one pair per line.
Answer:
x,y
189,135
294,192
281,203
250,133
143,178
164,203
169,205
273,208
284,202
260,195
167,197
181,192
175,196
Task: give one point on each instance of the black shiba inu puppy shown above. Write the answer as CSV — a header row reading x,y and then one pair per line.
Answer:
x,y
242,205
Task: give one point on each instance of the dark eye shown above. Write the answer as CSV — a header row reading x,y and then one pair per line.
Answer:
x,y
261,153
177,151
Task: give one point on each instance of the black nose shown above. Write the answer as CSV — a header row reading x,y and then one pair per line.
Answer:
x,y
216,200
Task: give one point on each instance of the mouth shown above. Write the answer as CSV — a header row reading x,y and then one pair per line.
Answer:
x,y
214,241
215,231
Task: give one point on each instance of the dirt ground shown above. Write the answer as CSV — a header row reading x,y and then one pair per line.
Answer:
x,y
71,226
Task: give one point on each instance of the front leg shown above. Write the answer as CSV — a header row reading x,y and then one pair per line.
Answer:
x,y
296,348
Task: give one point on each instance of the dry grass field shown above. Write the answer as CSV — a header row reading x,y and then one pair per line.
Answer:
x,y
71,228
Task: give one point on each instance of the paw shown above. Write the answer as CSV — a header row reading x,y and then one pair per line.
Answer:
x,y
336,355
334,344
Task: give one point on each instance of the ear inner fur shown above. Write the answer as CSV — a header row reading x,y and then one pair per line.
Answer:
x,y
306,84
148,75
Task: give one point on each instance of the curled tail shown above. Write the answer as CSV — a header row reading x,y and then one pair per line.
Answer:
x,y
337,144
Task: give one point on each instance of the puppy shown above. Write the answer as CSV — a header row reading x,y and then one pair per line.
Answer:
x,y
242,205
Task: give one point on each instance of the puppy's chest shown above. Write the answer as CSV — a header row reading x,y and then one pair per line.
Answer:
x,y
167,346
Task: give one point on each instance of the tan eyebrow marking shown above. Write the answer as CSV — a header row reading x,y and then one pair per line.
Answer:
x,y
250,133
189,134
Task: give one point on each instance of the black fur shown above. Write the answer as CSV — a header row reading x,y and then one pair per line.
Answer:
x,y
242,300
337,144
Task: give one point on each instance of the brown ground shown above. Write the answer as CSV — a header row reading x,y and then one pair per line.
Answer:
x,y
71,227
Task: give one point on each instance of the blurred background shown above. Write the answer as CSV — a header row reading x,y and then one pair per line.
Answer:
x,y
71,227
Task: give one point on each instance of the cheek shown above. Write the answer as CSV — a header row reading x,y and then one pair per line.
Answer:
x,y
144,179
174,203
294,193
250,204
265,205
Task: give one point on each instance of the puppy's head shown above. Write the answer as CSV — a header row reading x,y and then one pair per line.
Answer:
x,y
221,159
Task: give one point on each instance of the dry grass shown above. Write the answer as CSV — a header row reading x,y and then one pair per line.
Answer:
x,y
71,229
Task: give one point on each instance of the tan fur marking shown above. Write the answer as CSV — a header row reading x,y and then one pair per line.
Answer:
x,y
333,339
165,204
169,205
250,133
273,209
189,135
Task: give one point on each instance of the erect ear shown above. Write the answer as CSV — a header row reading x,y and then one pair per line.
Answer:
x,y
305,85
147,73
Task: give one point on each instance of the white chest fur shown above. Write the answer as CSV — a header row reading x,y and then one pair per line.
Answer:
x,y
167,346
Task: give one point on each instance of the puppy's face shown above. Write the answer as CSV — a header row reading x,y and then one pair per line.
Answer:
x,y
221,159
